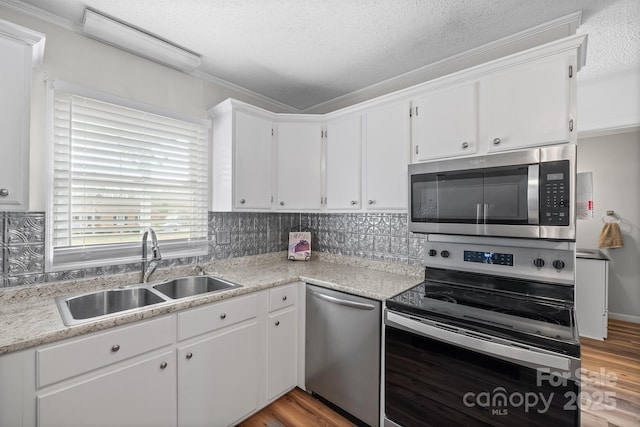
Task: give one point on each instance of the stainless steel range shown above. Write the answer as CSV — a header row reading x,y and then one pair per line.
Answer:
x,y
489,338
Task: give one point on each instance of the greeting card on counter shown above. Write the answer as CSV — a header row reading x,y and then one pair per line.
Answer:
x,y
300,246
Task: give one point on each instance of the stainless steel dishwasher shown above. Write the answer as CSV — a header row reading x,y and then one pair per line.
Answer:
x,y
342,361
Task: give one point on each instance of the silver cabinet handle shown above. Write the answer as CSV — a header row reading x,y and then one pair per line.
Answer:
x,y
282,203
284,298
163,365
115,348
353,203
465,145
277,323
243,201
223,316
189,355
353,304
4,192
496,141
371,202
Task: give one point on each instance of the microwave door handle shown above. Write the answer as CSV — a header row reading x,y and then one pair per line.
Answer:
x,y
533,194
478,213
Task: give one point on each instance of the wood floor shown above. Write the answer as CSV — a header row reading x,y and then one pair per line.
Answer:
x,y
611,366
613,371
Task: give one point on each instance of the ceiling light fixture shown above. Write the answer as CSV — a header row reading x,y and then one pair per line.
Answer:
x,y
126,37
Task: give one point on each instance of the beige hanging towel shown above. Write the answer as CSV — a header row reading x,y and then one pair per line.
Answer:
x,y
610,236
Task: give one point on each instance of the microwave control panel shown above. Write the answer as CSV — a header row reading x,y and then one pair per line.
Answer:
x,y
554,193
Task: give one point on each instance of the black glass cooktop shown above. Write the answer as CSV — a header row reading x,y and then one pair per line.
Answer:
x,y
533,313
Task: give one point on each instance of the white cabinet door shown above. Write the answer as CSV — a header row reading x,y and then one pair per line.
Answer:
x,y
528,105
252,162
343,163
299,157
386,151
282,352
591,297
140,394
218,378
15,101
445,123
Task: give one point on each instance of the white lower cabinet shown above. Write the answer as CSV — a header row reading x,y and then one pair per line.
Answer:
x,y
282,352
139,394
592,296
212,365
218,378
120,377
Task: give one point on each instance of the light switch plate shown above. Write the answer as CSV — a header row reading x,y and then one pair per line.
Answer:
x,y
223,237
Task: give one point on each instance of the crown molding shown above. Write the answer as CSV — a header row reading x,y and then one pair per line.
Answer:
x,y
76,27
27,36
558,28
36,12
255,95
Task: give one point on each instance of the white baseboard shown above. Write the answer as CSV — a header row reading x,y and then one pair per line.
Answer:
x,y
624,317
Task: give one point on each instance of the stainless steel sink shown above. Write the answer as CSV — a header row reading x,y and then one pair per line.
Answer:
x,y
90,306
97,305
193,285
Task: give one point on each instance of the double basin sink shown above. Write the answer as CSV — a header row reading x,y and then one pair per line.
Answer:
x,y
101,304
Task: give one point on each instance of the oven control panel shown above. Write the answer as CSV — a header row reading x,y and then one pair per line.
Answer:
x,y
483,257
545,264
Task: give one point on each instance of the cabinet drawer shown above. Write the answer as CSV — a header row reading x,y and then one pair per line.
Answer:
x,y
282,296
216,316
82,355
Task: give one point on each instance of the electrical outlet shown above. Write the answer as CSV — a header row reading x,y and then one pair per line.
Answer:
x,y
340,237
223,237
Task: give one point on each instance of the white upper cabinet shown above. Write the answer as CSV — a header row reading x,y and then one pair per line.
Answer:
x,y
344,163
386,154
253,162
529,105
299,163
241,158
445,123
20,49
526,99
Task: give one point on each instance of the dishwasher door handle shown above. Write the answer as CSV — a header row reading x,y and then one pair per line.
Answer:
x,y
353,304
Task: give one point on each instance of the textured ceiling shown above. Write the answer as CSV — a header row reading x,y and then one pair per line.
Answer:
x,y
305,52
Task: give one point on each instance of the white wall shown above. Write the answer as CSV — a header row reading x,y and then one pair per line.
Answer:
x,y
615,163
611,102
78,59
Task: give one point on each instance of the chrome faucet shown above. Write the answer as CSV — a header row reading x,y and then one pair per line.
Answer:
x,y
149,268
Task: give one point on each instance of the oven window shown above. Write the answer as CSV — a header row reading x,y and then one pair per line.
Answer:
x,y
431,383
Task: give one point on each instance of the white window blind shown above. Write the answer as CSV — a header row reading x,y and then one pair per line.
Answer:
x,y
117,170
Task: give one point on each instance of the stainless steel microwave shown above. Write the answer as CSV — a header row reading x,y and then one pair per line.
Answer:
x,y
526,193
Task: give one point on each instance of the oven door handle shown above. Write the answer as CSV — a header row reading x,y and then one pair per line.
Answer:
x,y
451,335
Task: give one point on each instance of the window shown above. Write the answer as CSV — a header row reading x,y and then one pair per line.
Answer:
x,y
117,168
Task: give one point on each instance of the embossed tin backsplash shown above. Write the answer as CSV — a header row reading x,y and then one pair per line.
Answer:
x,y
377,236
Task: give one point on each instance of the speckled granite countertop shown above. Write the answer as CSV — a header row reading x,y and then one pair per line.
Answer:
x,y
29,316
